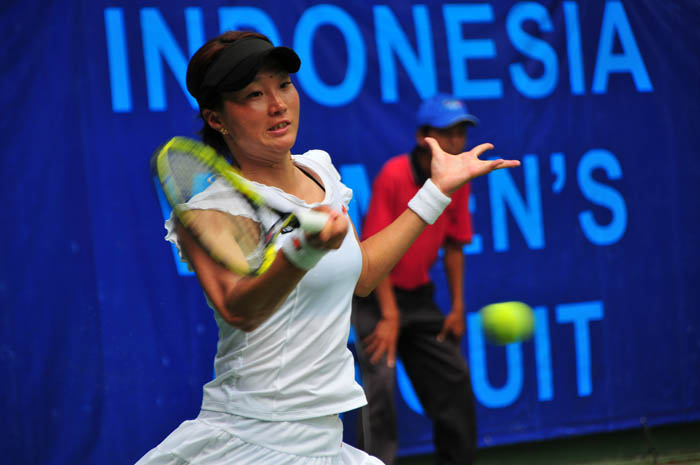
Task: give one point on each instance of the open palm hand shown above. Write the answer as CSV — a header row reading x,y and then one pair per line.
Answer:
x,y
450,172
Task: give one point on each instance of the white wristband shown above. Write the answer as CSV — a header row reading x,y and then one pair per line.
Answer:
x,y
299,252
429,202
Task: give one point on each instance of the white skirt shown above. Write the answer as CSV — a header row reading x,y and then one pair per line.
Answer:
x,y
216,438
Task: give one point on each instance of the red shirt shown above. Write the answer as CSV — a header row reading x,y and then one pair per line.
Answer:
x,y
393,187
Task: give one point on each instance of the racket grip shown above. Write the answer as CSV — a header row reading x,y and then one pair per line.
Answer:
x,y
311,221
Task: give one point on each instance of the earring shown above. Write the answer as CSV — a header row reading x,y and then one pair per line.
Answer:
x,y
223,131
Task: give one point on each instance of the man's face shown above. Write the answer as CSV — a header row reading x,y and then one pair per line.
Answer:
x,y
452,139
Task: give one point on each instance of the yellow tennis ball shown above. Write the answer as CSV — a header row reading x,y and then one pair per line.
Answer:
x,y
507,322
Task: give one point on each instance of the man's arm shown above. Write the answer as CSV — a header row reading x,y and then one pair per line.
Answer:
x,y
454,269
383,339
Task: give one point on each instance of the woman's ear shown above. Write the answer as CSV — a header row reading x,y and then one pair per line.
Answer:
x,y
213,119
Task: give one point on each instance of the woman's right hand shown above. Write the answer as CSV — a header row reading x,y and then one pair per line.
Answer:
x,y
333,233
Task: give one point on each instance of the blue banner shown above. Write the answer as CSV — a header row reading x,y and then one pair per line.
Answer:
x,y
106,341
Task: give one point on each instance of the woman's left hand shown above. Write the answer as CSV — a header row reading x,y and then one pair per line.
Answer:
x,y
450,172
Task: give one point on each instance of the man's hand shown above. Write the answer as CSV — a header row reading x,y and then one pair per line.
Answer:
x,y
453,326
382,342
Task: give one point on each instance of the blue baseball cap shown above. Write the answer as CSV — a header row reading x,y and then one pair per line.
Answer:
x,y
442,111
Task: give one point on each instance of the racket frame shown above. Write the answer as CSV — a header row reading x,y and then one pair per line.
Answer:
x,y
220,167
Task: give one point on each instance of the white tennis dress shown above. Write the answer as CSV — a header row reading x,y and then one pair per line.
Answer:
x,y
278,389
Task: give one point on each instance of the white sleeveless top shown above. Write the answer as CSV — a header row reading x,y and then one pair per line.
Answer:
x,y
296,365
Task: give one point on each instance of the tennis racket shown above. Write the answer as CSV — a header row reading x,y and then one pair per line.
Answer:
x,y
222,210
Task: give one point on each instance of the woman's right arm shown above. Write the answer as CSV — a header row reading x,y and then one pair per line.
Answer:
x,y
245,302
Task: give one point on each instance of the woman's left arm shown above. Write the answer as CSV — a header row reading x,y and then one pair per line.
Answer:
x,y
383,250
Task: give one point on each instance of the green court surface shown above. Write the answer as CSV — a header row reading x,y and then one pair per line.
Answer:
x,y
661,445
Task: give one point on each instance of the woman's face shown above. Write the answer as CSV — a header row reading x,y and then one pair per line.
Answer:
x,y
262,118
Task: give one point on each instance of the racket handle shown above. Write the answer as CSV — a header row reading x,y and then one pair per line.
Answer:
x,y
311,221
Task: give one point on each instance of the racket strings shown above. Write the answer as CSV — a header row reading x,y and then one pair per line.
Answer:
x,y
234,240
220,217
190,176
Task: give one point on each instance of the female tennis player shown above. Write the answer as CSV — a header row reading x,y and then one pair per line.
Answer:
x,y
283,369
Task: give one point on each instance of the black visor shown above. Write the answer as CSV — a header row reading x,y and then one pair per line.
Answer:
x,y
237,65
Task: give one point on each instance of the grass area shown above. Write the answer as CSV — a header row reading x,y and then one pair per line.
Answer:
x,y
661,445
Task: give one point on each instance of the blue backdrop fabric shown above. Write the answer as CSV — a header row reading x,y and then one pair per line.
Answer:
x,y
105,342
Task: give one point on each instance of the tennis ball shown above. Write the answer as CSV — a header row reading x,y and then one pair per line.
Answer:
x,y
507,322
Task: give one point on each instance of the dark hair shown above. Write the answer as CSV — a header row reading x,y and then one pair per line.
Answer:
x,y
424,129
208,98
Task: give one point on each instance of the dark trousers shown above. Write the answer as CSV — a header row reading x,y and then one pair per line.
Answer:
x,y
437,371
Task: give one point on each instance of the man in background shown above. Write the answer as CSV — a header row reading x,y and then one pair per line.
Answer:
x,y
400,318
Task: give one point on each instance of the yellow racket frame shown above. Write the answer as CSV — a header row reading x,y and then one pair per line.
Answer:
x,y
222,168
